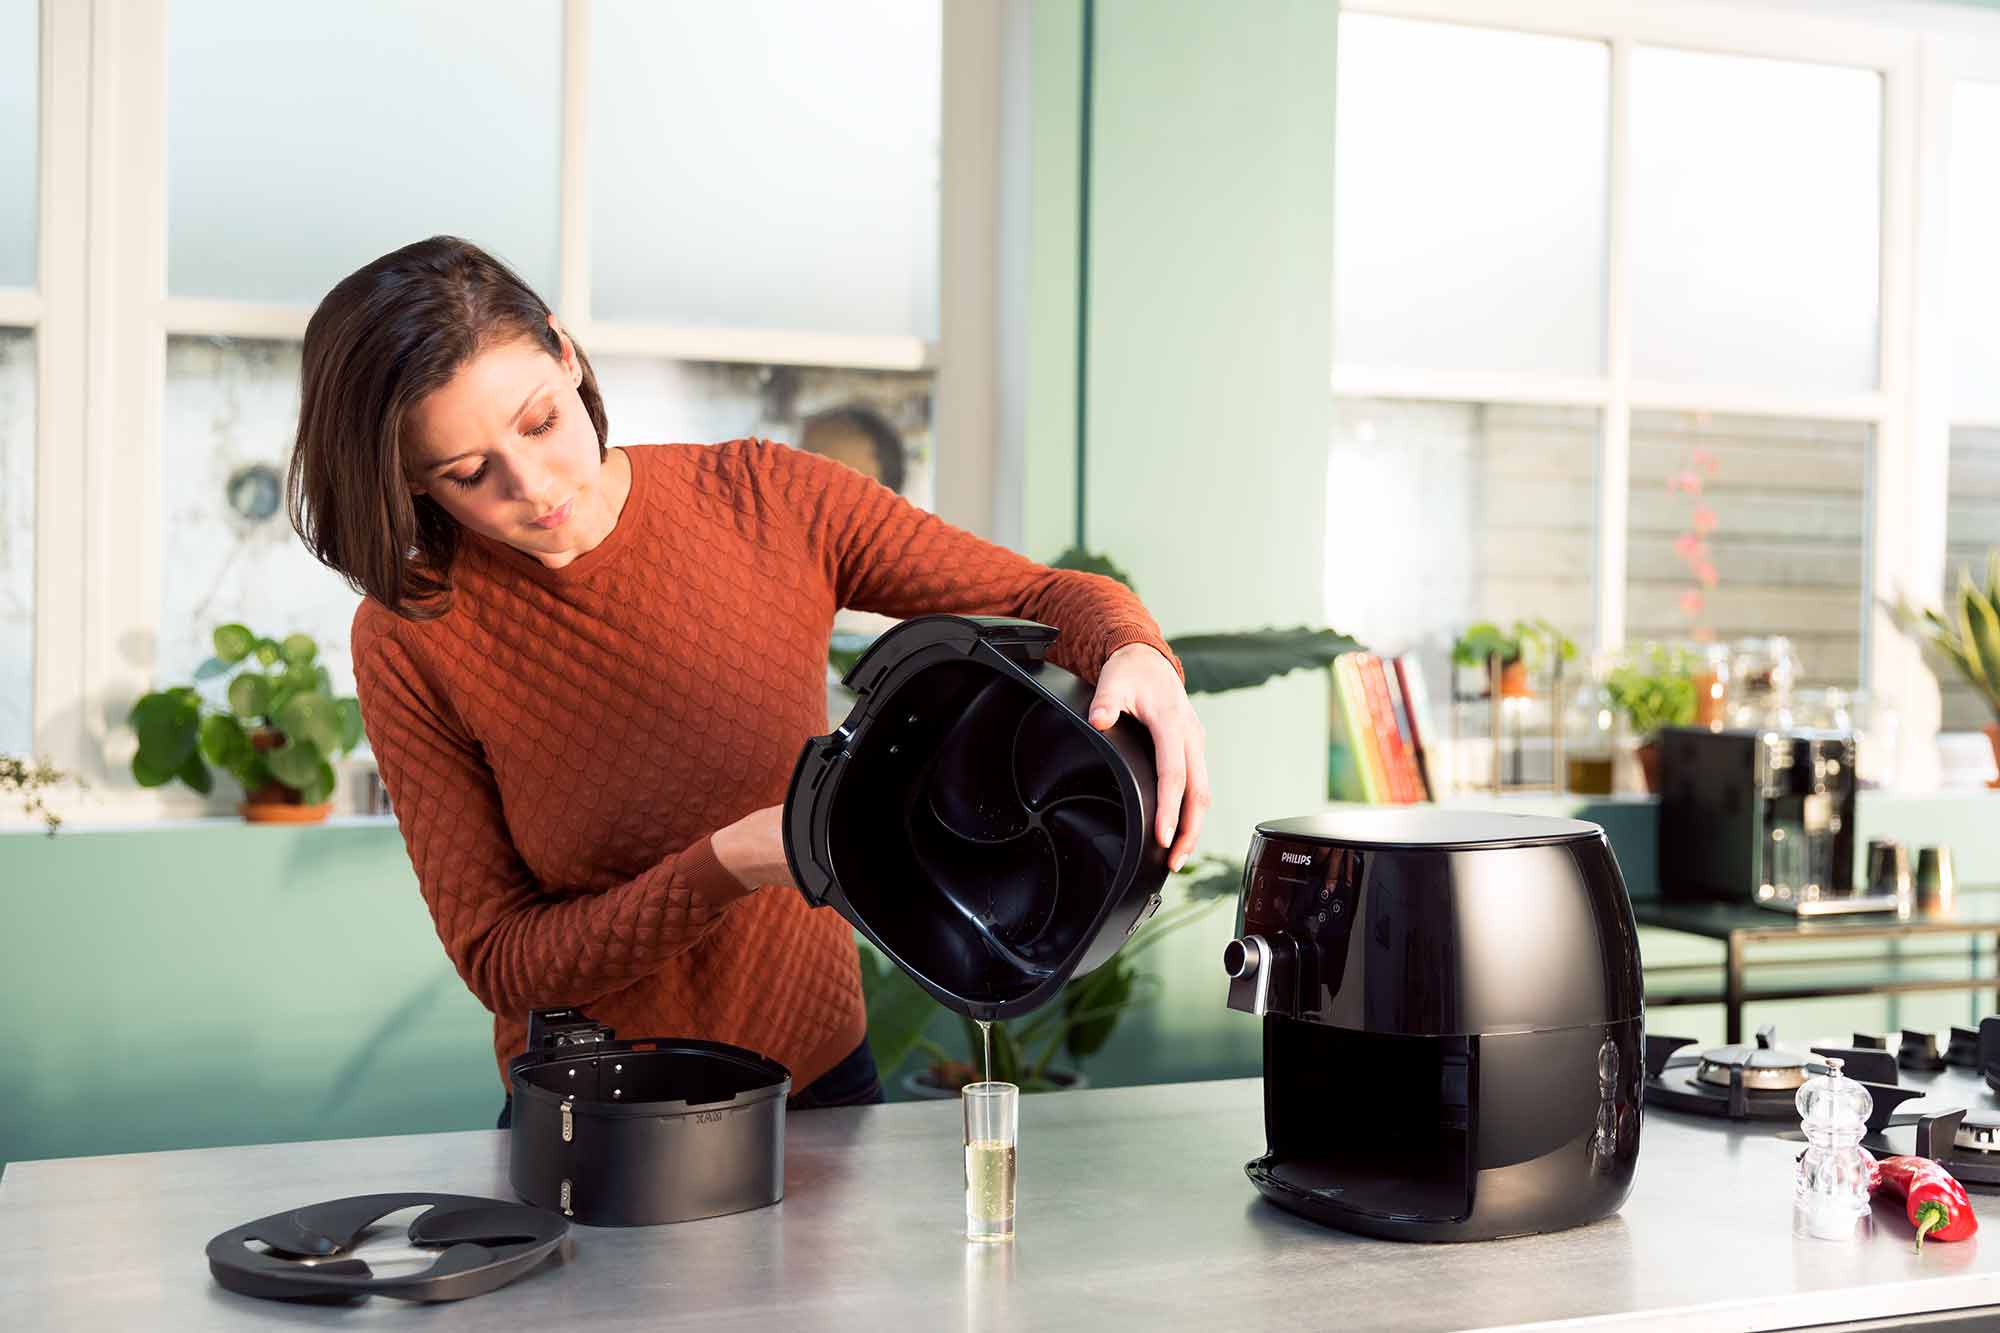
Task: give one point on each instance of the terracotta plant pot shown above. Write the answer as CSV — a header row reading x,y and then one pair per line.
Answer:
x,y
1649,764
1992,730
1514,681
284,812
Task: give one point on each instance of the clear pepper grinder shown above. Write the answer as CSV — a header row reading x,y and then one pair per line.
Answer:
x,y
1830,1187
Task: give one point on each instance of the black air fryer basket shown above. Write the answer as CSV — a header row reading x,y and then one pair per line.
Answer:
x,y
969,820
632,1133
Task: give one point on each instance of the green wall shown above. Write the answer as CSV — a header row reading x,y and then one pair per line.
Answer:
x,y
213,982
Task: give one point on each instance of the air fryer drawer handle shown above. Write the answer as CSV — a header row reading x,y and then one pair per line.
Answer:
x,y
1024,641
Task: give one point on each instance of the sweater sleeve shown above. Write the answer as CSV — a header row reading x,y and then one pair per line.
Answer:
x,y
516,947
881,553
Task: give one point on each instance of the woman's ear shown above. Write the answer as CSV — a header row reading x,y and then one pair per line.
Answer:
x,y
570,364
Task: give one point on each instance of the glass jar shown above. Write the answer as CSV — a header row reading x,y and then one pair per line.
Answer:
x,y
1711,685
1590,741
1762,673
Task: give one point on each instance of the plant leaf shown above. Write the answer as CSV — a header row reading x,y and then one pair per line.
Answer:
x,y
211,668
223,741
1215,663
310,716
1090,562
250,696
1985,636
299,649
320,788
233,643
146,775
296,763
898,1011
166,723
195,773
350,723
268,652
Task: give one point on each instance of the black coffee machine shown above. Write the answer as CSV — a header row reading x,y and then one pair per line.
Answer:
x,y
1453,1028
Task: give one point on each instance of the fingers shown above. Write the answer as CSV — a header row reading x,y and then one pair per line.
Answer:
x,y
1194,806
1171,749
1110,700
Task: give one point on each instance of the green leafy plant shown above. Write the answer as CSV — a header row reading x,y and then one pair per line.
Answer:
x,y
1654,688
1027,1051
277,730
1967,634
1530,642
31,779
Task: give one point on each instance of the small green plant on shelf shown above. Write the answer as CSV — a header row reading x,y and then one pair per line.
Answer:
x,y
1967,633
1527,647
277,730
1653,688
32,779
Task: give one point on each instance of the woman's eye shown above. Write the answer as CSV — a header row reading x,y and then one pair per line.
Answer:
x,y
473,479
548,424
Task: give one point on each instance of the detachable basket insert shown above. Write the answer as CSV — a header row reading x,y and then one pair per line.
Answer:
x,y
634,1133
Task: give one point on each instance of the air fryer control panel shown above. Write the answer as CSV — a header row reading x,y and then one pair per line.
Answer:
x,y
1302,898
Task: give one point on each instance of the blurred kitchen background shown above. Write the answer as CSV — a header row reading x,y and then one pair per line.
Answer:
x,y
1653,345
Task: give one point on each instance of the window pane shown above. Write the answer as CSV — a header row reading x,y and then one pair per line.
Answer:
x,y
766,164
232,409
1972,528
1975,250
1485,507
1756,221
875,421
17,540
1438,124
1745,526
20,128
305,140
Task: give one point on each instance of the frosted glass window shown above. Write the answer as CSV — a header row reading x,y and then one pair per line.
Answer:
x,y
1972,528
1469,198
20,122
231,411
17,540
305,140
1743,526
1487,507
1974,285
1756,190
766,164
875,421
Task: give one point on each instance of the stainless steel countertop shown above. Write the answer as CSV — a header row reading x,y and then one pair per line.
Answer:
x,y
1134,1211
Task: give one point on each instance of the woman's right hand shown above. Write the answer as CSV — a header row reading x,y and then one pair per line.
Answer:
x,y
753,848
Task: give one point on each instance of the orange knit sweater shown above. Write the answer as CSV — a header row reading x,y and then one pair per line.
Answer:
x,y
559,746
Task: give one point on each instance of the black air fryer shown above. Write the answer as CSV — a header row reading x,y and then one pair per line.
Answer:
x,y
970,822
1452,1021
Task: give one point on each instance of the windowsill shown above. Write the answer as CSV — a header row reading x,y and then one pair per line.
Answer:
x,y
73,825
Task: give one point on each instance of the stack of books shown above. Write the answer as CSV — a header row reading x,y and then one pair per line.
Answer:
x,y
1382,739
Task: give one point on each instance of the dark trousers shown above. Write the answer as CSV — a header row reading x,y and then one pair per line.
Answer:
x,y
853,1082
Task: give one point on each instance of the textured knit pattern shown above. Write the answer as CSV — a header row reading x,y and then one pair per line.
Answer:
x,y
560,745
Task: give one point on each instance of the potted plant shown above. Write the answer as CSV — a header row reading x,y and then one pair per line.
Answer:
x,y
1511,654
1968,637
277,731
1653,688
32,779
1042,1051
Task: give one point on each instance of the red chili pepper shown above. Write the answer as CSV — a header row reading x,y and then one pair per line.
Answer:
x,y
1935,1202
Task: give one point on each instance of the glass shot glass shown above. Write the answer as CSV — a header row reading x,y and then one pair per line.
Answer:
x,y
992,1130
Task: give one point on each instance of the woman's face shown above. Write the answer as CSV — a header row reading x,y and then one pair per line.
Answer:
x,y
508,450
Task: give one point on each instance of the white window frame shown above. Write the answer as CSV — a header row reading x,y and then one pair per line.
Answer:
x,y
101,319
1917,52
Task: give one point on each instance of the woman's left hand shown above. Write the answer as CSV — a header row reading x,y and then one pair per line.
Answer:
x,y
1138,680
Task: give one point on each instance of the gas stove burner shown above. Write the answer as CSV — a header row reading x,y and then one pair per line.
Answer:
x,y
1764,1067
1719,1082
1978,1132
1967,1144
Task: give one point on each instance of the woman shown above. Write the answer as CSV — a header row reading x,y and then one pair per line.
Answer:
x,y
586,673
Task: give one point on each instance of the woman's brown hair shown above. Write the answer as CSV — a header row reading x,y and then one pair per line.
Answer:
x,y
386,336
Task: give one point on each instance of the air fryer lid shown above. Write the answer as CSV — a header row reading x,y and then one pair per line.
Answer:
x,y
969,820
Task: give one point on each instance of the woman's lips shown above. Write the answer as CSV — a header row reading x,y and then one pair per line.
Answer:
x,y
554,519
